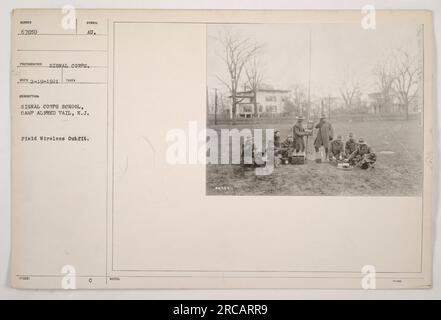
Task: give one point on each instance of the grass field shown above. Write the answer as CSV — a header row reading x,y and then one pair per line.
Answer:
x,y
398,171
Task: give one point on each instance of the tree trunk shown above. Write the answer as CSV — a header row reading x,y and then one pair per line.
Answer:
x,y
256,113
215,107
234,108
406,108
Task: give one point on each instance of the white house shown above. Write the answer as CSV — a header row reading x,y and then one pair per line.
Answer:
x,y
269,102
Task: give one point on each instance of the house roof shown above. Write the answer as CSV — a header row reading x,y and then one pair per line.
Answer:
x,y
264,90
249,93
374,95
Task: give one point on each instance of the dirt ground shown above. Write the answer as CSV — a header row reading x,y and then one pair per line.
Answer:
x,y
398,171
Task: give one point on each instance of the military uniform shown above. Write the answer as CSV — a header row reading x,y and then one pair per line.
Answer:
x,y
247,153
285,147
336,149
277,142
324,135
299,140
350,147
364,157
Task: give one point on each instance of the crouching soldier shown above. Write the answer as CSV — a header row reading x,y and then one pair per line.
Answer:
x,y
250,156
336,149
247,152
351,145
277,139
277,142
277,147
286,146
364,157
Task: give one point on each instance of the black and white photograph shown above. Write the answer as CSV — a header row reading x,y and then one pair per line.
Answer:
x,y
226,151
340,105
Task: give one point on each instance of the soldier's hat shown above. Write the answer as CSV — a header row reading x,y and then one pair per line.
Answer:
x,y
351,135
300,117
322,116
361,141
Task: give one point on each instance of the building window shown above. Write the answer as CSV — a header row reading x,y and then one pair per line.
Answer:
x,y
247,109
270,98
271,109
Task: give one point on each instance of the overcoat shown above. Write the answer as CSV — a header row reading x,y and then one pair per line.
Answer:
x,y
299,134
325,134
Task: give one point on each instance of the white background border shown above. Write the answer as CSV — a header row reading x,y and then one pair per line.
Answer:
x,y
6,292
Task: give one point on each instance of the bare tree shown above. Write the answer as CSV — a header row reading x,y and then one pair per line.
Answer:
x,y
384,83
299,97
406,78
237,52
254,77
349,92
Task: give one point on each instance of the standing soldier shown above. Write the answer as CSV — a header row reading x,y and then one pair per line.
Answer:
x,y
364,157
298,133
336,150
351,145
324,135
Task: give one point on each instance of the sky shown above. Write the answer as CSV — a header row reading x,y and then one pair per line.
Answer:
x,y
340,53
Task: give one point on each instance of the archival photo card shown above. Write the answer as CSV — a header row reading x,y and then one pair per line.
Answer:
x,y
340,107
221,149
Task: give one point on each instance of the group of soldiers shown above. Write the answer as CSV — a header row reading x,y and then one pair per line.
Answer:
x,y
356,153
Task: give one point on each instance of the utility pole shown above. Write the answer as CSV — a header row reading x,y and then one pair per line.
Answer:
x,y
206,101
308,112
329,107
215,106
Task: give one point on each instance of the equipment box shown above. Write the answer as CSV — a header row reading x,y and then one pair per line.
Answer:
x,y
298,159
